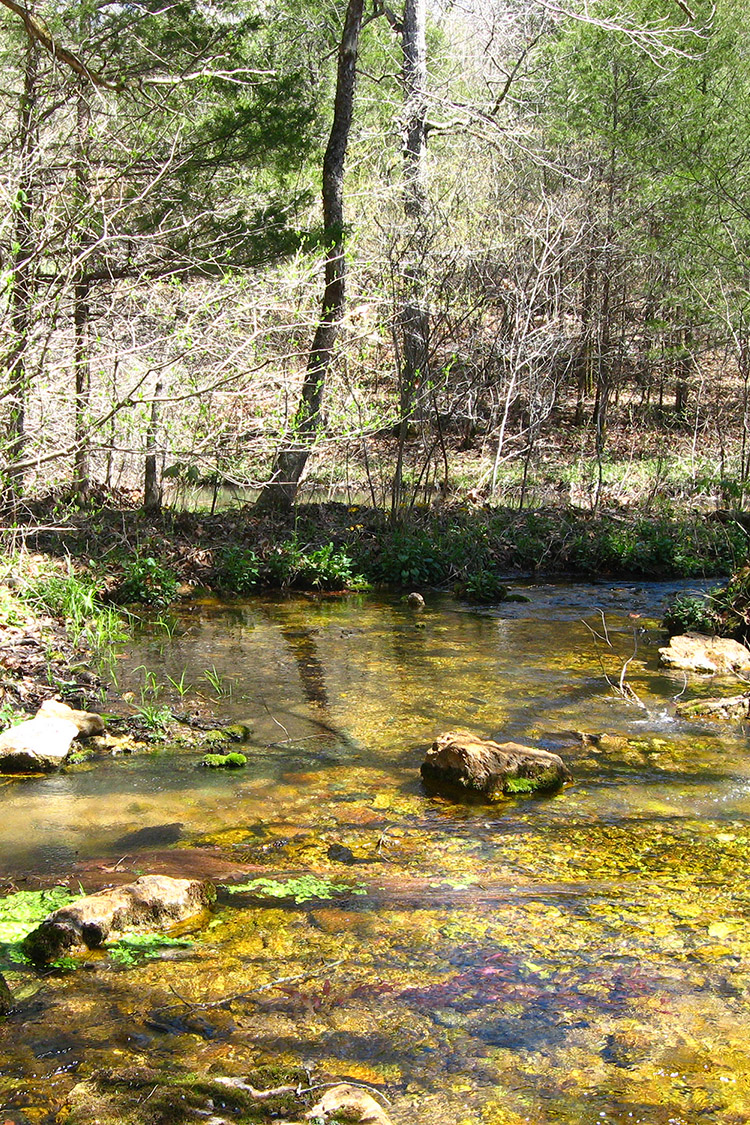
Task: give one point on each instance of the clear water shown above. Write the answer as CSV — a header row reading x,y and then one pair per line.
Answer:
x,y
577,959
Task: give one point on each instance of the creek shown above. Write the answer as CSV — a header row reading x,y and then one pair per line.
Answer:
x,y
579,959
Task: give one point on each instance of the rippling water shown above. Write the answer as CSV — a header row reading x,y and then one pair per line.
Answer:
x,y
577,959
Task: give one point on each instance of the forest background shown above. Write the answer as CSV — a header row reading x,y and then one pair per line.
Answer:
x,y
543,225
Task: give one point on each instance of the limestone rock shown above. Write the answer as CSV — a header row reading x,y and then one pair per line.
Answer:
x,y
349,1103
43,743
6,999
461,761
88,722
692,652
37,745
736,707
150,903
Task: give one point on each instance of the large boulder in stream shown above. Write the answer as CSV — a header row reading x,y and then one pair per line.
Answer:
x,y
43,743
691,652
153,902
458,761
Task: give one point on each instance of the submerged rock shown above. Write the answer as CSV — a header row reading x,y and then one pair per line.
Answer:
x,y
6,999
458,760
151,902
415,600
692,652
348,1103
43,743
735,707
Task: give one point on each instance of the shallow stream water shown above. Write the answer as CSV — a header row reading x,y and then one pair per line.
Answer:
x,y
578,959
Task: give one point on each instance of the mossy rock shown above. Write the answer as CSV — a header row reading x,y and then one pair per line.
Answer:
x,y
232,761
216,737
237,732
6,998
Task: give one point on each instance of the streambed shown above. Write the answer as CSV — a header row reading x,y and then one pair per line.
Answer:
x,y
583,958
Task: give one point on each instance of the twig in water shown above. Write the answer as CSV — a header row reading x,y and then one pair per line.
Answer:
x,y
225,1001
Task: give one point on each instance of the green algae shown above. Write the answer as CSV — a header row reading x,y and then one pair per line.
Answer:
x,y
302,889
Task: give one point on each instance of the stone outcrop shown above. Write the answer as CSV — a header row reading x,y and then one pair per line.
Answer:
x,y
691,652
732,707
152,902
43,743
348,1103
458,761
87,722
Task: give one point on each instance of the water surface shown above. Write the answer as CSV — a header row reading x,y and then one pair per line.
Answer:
x,y
577,959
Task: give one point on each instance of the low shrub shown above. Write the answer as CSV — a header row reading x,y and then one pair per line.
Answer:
x,y
147,580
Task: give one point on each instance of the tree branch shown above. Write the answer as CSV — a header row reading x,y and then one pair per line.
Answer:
x,y
36,30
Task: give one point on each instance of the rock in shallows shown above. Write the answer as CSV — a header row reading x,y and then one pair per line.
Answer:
x,y
348,1103
691,652
43,743
458,760
150,903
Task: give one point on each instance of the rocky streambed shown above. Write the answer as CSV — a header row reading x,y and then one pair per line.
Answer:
x,y
575,957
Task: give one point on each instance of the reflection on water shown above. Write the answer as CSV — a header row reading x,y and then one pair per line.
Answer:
x,y
579,959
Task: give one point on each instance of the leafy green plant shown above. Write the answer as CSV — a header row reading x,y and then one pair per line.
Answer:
x,y
329,568
239,570
180,686
483,586
692,613
74,600
147,580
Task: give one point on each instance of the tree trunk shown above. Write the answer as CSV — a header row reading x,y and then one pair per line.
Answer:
x,y
81,291
22,284
412,316
281,490
151,482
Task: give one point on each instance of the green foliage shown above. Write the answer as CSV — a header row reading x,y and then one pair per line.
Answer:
x,y
74,599
147,580
154,716
290,565
301,889
692,613
239,571
482,586
231,761
411,556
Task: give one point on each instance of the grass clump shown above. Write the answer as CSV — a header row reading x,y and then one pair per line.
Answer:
x,y
74,599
